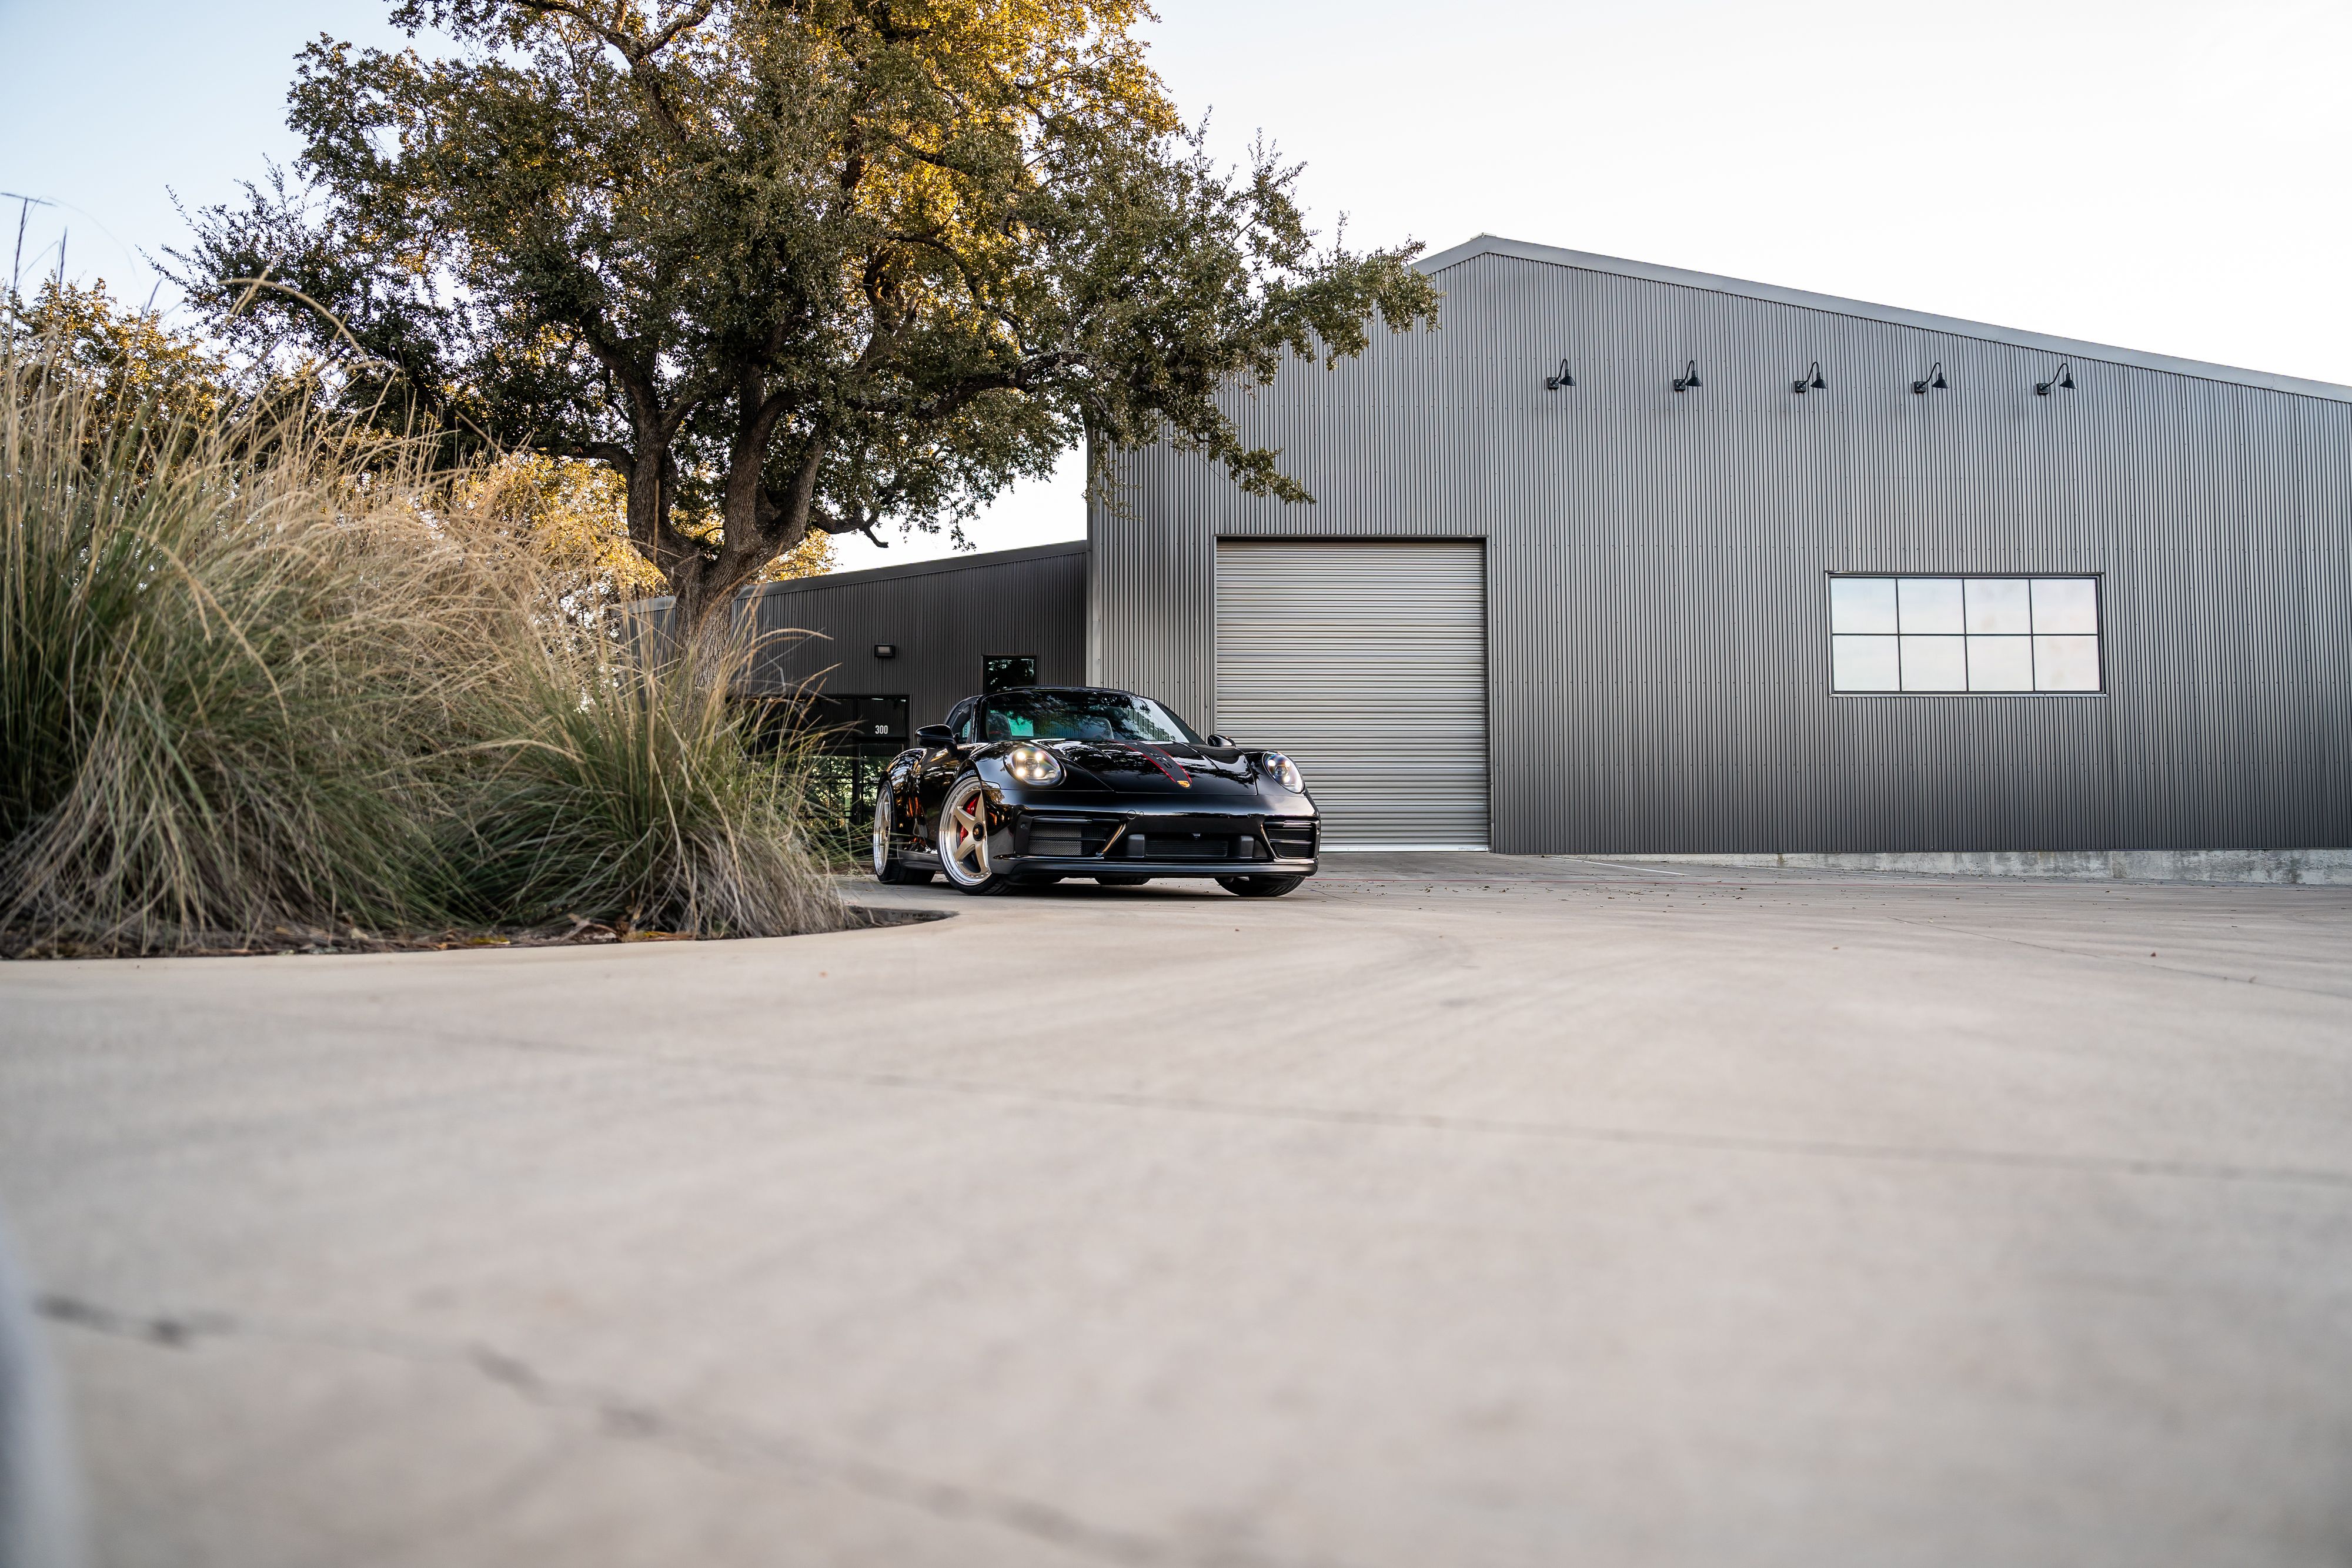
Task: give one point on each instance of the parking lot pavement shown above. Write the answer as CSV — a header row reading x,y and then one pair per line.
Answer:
x,y
1455,1209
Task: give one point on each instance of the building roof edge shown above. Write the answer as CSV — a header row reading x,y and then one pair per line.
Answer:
x,y
2066,347
884,573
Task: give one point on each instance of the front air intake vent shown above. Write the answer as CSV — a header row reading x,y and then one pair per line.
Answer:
x,y
1056,838
1292,837
1070,837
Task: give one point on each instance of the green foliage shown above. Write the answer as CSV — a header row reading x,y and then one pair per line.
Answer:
x,y
246,688
635,794
575,515
128,364
837,790
785,267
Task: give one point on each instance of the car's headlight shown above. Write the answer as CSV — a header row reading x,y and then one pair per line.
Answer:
x,y
1033,764
1283,771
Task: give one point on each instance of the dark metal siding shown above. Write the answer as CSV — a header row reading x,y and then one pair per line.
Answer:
x,y
1658,653
944,617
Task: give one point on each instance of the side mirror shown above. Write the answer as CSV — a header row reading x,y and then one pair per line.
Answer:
x,y
935,734
1215,739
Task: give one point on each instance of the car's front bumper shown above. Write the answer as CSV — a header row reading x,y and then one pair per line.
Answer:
x,y
1163,844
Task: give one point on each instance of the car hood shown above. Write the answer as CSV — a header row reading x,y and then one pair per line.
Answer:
x,y
1147,768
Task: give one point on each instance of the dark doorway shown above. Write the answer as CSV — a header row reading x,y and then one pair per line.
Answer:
x,y
839,745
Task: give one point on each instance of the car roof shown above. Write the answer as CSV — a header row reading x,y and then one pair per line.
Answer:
x,y
1106,691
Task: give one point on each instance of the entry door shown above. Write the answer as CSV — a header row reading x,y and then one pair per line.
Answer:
x,y
1367,662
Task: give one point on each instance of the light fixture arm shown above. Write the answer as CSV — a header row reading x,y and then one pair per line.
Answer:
x,y
1688,378
1810,382
1553,384
1934,379
2064,378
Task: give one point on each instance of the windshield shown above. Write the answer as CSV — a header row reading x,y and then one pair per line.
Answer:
x,y
1081,716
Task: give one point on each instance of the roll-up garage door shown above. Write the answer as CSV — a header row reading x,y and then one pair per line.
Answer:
x,y
1367,662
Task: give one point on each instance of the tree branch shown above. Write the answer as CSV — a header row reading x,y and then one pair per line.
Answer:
x,y
639,53
611,452
954,397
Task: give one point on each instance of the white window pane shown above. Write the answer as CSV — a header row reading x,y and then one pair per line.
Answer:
x,y
1861,604
2064,663
2000,663
1932,604
2067,604
1935,663
1998,606
1864,665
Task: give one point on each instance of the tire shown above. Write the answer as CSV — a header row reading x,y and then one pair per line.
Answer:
x,y
888,866
1259,886
962,839
1122,880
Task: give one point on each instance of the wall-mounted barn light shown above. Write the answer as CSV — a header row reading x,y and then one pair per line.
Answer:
x,y
1688,378
2064,378
1934,379
1810,382
1553,384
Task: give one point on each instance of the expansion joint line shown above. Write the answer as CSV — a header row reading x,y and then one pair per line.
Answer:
x,y
712,1441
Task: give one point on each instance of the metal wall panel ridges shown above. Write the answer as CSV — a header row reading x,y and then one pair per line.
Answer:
x,y
1657,647
1366,662
943,617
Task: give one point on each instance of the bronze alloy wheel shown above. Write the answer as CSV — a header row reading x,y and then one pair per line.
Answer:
x,y
963,838
888,866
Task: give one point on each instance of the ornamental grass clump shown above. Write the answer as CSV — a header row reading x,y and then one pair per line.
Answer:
x,y
260,686
210,687
625,787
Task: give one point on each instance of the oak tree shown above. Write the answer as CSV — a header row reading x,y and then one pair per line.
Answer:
x,y
785,266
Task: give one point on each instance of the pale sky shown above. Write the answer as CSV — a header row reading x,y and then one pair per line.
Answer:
x,y
2156,175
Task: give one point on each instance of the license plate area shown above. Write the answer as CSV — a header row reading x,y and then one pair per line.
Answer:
x,y
1149,841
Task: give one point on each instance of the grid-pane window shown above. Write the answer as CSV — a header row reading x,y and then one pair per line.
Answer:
x,y
1964,634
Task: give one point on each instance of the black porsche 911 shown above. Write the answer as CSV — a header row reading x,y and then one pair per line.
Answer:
x,y
1047,782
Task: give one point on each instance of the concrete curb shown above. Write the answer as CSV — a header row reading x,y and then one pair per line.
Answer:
x,y
2314,867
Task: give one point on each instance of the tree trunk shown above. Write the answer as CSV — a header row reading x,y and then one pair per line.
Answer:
x,y
754,530
695,588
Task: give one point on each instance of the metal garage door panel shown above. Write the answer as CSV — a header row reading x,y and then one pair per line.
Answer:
x,y
1367,662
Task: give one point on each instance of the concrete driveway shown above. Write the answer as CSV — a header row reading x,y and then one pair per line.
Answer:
x,y
1459,1210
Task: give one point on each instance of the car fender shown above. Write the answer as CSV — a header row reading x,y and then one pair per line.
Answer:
x,y
901,781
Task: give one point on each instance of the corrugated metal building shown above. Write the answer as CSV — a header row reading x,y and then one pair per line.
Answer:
x,y
855,661
940,622
1617,615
